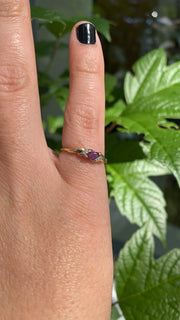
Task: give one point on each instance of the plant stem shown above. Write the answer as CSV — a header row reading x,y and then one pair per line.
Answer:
x,y
53,54
114,303
111,127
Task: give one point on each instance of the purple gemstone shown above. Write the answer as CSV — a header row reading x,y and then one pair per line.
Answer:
x,y
93,155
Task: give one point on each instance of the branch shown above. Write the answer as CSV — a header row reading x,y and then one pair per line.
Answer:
x,y
53,54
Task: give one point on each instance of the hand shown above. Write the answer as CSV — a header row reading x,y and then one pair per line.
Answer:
x,y
55,239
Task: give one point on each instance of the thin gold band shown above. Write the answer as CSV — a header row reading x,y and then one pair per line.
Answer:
x,y
89,154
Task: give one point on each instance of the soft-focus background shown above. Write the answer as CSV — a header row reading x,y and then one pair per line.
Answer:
x,y
139,26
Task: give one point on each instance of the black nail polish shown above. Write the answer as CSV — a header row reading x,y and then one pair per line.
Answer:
x,y
86,33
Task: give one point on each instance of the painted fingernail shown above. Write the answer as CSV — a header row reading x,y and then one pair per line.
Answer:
x,y
86,33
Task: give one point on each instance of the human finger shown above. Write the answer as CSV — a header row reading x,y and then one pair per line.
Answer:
x,y
20,118
84,113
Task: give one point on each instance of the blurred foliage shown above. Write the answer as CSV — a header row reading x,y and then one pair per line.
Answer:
x,y
140,26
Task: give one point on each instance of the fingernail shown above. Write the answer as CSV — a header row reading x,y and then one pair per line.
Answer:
x,y
86,33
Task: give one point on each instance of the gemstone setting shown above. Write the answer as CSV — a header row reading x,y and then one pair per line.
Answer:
x,y
87,153
93,155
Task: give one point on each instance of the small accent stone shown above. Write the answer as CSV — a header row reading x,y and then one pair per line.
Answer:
x,y
93,155
83,153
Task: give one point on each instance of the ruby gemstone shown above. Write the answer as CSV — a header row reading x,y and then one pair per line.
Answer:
x,y
93,155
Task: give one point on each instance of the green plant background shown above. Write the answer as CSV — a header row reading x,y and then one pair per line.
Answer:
x,y
141,143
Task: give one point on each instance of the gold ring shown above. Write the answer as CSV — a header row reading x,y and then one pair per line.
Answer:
x,y
90,154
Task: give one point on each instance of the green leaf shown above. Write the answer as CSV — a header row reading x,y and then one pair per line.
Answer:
x,y
54,144
55,123
152,76
166,150
54,22
122,147
65,76
147,289
113,113
57,28
59,25
62,95
154,96
160,105
102,25
148,72
114,313
164,143
110,83
137,197
45,15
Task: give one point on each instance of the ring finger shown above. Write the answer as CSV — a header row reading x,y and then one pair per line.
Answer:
x,y
84,113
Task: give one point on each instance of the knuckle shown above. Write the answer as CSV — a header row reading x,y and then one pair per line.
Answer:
x,y
13,78
11,8
88,64
84,116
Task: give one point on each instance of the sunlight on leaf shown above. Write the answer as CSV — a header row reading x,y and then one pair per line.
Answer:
x,y
153,94
137,197
148,289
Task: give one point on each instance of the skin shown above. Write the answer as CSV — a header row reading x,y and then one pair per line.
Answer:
x,y
55,239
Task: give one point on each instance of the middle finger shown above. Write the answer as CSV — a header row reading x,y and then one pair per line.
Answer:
x,y
20,118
